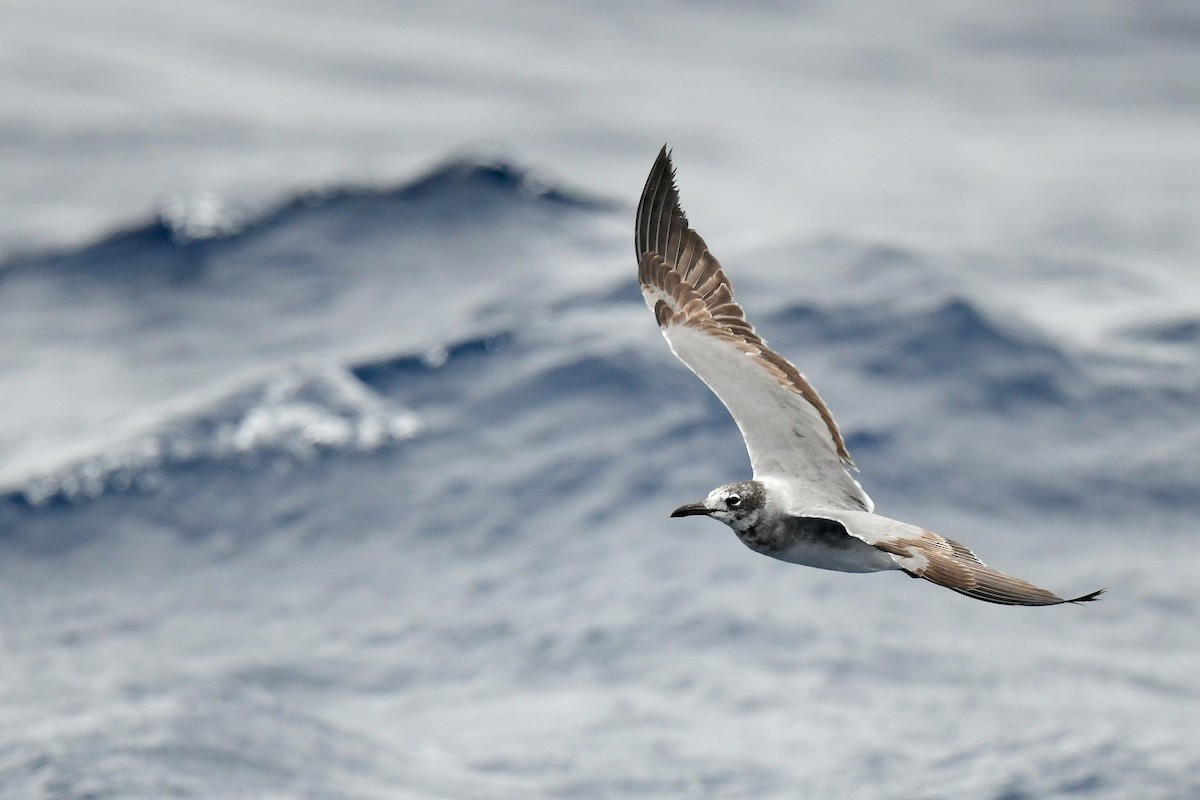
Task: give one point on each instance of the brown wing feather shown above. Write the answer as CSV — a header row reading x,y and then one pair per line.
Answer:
x,y
947,563
674,264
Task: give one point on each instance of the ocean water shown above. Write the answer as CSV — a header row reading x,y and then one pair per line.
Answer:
x,y
339,444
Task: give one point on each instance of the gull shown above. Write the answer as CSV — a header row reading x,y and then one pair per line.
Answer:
x,y
802,505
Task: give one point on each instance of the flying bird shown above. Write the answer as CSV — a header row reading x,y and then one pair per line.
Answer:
x,y
803,505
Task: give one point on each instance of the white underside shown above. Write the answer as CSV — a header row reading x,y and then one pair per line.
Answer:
x,y
857,557
784,433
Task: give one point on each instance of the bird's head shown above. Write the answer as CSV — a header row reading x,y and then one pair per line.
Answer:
x,y
738,505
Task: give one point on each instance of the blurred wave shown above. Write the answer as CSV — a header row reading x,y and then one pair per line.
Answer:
x,y
381,470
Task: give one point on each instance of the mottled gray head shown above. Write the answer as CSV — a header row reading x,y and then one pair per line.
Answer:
x,y
738,505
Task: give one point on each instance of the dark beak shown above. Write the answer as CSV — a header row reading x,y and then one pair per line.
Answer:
x,y
691,510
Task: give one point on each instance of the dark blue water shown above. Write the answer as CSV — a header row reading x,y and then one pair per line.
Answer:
x,y
316,565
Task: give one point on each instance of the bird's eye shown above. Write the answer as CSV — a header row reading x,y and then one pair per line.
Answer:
x,y
733,501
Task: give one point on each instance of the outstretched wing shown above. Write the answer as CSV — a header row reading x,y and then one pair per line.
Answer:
x,y
789,431
925,554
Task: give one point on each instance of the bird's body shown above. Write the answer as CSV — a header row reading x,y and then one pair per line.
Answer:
x,y
815,542
803,505
763,523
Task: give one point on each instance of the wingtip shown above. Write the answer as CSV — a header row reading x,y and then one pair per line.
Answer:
x,y
664,157
660,198
1087,598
